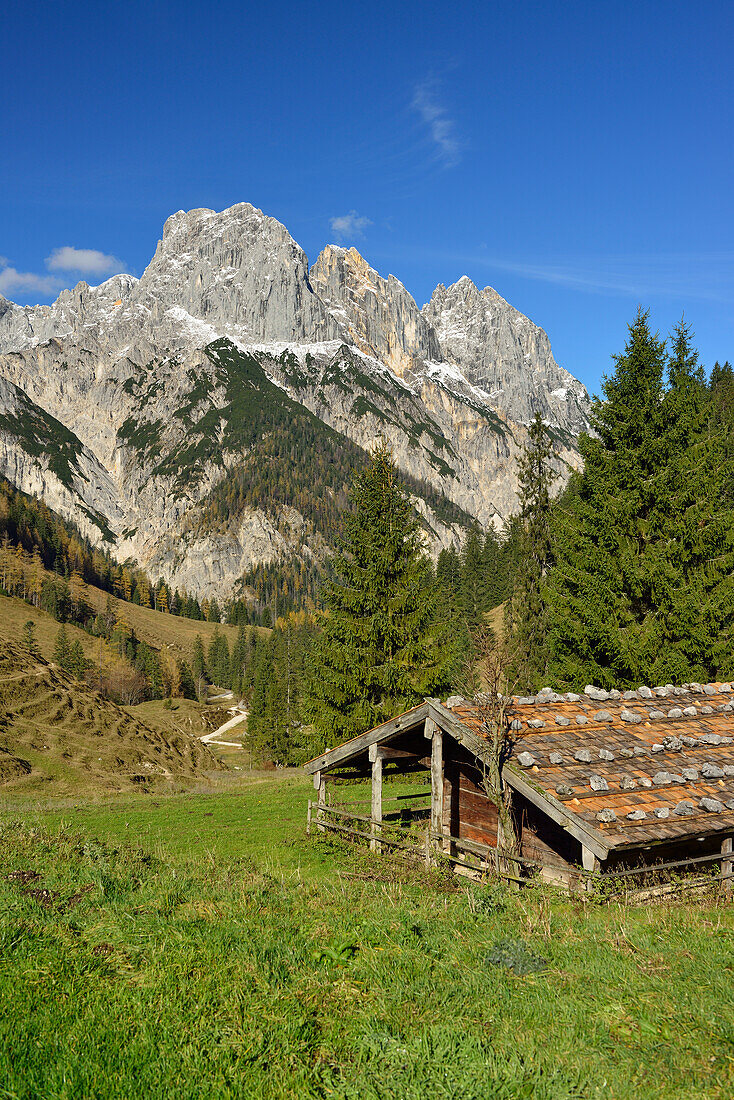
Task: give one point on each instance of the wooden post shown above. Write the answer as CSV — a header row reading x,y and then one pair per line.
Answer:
x,y
431,730
590,863
308,819
427,856
376,808
727,865
319,782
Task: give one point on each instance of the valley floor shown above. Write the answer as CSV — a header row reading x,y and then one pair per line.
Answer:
x,y
198,944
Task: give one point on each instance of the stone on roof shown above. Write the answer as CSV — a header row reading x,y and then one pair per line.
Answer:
x,y
598,783
455,701
656,714
561,720
637,815
555,758
672,744
630,716
712,805
605,754
684,808
603,716
711,771
526,759
627,783
582,720
690,712
582,755
675,712
607,814
645,692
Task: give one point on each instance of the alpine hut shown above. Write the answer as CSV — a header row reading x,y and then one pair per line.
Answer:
x,y
601,781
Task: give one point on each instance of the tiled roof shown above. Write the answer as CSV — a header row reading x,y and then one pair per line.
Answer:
x,y
639,766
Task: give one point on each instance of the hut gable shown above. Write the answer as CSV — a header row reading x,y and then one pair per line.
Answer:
x,y
618,772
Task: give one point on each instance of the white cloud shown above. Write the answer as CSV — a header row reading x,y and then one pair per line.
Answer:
x,y
89,261
27,282
441,126
349,225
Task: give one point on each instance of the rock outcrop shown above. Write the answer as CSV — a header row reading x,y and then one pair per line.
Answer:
x,y
153,381
503,353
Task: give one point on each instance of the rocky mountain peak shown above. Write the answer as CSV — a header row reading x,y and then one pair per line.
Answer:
x,y
377,315
237,269
505,354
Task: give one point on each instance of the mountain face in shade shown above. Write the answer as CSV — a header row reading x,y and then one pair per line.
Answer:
x,y
197,419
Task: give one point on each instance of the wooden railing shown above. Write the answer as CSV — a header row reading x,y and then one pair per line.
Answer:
x,y
481,859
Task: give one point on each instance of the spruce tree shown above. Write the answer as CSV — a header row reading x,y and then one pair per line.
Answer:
x,y
62,650
473,577
377,653
527,616
641,588
77,660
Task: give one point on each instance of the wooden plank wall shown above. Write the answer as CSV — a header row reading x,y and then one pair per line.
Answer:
x,y
468,812
542,839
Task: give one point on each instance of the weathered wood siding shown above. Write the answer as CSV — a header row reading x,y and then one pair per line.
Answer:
x,y
542,839
468,812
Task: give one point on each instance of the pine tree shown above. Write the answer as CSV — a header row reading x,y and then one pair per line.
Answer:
x,y
77,660
527,611
641,590
29,636
473,577
377,652
62,650
198,665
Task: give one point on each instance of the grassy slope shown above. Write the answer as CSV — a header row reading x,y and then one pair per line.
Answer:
x,y
58,736
230,956
158,629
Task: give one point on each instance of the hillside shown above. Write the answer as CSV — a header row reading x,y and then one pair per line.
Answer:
x,y
56,735
206,418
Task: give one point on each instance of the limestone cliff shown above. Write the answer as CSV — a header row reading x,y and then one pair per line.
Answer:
x,y
149,411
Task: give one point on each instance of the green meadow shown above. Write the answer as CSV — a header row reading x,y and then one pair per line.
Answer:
x,y
201,945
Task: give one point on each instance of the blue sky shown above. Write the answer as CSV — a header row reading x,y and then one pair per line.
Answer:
x,y
576,156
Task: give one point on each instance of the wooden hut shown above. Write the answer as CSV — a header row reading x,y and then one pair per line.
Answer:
x,y
600,782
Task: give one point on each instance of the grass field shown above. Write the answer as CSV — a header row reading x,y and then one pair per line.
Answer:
x,y
199,945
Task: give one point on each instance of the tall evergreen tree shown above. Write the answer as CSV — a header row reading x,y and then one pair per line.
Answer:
x,y
473,577
377,653
62,650
641,589
527,616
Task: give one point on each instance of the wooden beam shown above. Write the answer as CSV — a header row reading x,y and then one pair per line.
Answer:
x,y
589,861
376,810
557,813
727,865
387,752
322,801
328,760
436,778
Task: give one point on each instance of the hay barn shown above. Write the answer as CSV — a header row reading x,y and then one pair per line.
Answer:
x,y
604,782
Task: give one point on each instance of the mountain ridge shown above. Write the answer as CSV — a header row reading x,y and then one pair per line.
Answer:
x,y
137,371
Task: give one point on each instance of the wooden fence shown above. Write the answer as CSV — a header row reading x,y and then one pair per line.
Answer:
x,y
479,860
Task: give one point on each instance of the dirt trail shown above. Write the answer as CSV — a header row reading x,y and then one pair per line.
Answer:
x,y
213,737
